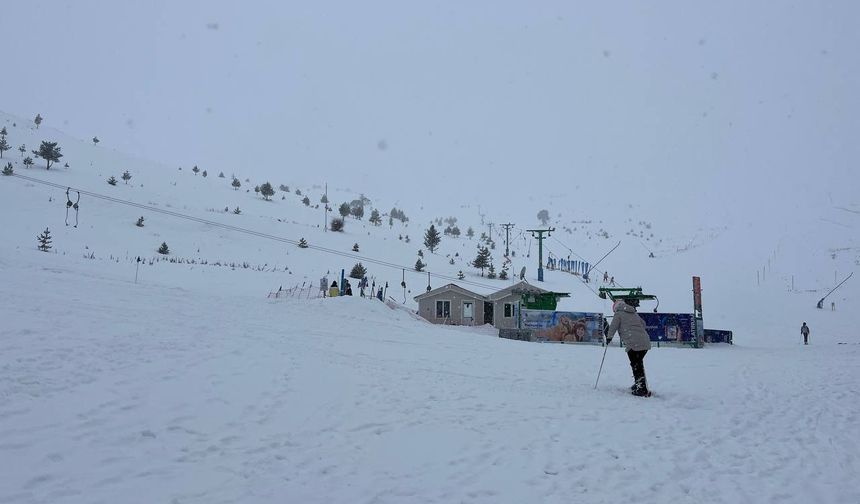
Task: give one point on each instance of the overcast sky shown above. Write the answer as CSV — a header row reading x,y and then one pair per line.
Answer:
x,y
681,104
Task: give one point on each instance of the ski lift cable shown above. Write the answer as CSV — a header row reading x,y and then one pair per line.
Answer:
x,y
251,232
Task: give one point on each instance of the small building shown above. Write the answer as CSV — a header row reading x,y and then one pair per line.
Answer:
x,y
452,304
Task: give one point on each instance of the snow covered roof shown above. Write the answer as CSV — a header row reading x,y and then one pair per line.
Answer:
x,y
507,291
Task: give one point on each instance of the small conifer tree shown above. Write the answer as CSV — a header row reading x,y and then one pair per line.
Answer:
x,y
482,260
503,275
419,266
49,152
236,184
257,189
432,238
375,219
358,271
460,275
491,271
451,261
237,211
28,162
221,175
267,191
139,222
303,243
4,145
163,250
126,176
355,248
343,209
95,140
336,224
22,149
38,120
470,232
324,199
298,192
306,201
420,253
112,180
357,211
195,170
3,131
7,170
44,240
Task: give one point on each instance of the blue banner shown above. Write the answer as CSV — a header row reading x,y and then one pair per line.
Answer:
x,y
670,327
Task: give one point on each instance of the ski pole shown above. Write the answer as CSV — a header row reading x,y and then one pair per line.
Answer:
x,y
605,348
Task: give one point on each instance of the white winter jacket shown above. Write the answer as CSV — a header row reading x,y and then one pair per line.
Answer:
x,y
630,326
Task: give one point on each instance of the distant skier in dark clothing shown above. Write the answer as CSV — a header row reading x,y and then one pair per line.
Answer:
x,y
379,294
804,330
631,328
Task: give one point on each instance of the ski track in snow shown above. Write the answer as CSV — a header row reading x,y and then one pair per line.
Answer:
x,y
113,392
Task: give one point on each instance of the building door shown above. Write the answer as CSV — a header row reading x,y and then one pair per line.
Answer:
x,y
468,312
488,313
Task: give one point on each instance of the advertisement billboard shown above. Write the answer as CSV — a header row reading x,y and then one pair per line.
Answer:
x,y
564,327
670,327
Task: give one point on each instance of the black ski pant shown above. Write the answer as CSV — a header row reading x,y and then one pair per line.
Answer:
x,y
806,339
636,357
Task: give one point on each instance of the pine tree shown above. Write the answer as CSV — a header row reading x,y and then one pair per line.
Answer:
x,y
491,271
482,260
420,253
298,192
306,201
419,266
38,120
163,249
324,199
267,191
257,189
3,131
357,211
358,271
503,275
139,222
126,176
49,152
390,222
4,145
284,188
336,224
355,248
343,209
44,241
432,238
460,275
221,175
543,217
205,174
451,261
28,162
22,149
237,211
8,170
236,184
375,219
470,232
195,170
112,180
95,140
303,243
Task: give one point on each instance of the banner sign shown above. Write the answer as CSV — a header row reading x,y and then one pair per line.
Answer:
x,y
670,327
718,336
568,327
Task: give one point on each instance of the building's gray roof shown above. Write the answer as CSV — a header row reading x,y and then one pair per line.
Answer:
x,y
447,288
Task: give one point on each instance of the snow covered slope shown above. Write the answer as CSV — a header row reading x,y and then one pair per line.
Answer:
x,y
191,386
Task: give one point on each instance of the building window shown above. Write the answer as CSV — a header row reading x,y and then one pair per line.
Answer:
x,y
443,309
509,310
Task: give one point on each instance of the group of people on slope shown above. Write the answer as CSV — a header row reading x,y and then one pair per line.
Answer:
x,y
334,290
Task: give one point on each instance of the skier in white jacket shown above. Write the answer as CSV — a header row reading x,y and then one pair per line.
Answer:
x,y
631,327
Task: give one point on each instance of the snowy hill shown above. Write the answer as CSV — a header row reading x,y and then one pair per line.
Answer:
x,y
191,386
